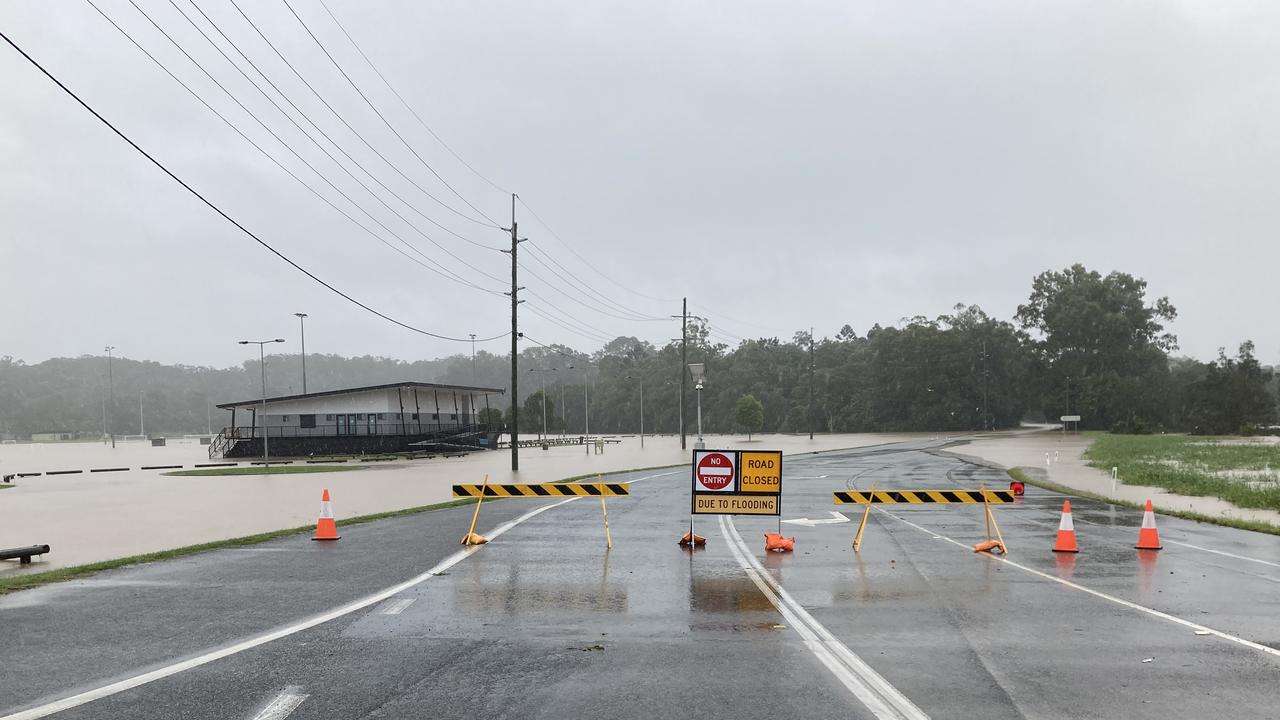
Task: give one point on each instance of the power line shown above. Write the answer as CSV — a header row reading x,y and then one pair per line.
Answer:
x,y
343,120
589,306
590,291
316,126
587,262
437,269
386,122
409,107
218,210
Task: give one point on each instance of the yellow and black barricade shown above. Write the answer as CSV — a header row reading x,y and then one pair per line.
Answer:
x,y
982,496
598,489
572,489
890,497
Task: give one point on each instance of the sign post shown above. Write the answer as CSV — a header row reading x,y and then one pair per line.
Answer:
x,y
736,482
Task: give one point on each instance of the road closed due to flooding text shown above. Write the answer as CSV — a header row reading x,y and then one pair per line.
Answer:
x,y
734,482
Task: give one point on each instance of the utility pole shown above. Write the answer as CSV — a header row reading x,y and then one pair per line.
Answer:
x,y
684,360
142,423
111,396
810,383
473,359
515,337
985,417
302,324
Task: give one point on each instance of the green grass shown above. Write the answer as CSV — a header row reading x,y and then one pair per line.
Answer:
x,y
1193,466
262,470
26,582
1254,525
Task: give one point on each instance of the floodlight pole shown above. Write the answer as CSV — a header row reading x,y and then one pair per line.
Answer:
x,y
302,325
262,365
515,337
111,397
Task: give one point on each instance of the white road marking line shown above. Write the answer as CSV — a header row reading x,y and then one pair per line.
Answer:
x,y
398,606
1174,542
283,705
1220,552
868,686
1096,593
119,686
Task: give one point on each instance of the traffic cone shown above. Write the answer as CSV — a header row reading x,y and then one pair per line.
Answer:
x,y
326,528
1066,531
1148,536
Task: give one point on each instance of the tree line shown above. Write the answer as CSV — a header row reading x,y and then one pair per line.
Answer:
x,y
1083,344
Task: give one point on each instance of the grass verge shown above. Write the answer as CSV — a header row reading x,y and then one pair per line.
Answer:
x,y
1242,474
261,470
26,582
1254,525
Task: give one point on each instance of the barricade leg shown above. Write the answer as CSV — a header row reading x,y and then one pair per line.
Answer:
x,y
471,538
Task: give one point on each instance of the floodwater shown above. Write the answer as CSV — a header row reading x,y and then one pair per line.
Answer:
x,y
90,517
1061,458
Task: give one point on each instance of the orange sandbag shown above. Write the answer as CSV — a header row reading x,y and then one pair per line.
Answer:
x,y
773,542
697,539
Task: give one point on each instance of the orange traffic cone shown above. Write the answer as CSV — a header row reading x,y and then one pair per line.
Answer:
x,y
1066,531
326,528
1148,536
776,543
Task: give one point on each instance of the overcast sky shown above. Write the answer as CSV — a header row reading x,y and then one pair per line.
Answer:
x,y
781,164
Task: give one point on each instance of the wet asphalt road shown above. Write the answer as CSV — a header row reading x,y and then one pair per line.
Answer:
x,y
544,622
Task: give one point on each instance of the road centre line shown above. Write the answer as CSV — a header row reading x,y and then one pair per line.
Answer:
x,y
869,687
1203,629
283,705
120,686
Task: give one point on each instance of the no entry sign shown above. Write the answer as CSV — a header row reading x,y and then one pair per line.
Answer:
x,y
737,482
714,471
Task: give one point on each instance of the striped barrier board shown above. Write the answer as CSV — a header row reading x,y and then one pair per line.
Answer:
x,y
911,497
543,490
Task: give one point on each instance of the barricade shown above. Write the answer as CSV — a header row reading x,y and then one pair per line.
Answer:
x,y
598,489
923,497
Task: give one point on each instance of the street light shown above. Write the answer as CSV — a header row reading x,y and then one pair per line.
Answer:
x,y
698,371
586,411
302,324
542,374
111,398
635,377
262,364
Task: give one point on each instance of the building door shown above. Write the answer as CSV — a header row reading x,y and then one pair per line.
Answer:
x,y
372,427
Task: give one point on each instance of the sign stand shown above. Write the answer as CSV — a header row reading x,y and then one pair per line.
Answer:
x,y
471,538
862,526
991,523
605,511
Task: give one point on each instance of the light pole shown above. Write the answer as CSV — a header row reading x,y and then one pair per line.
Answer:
x,y
698,371
111,396
262,364
635,377
542,374
586,411
473,359
302,325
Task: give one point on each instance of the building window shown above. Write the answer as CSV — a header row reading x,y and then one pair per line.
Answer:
x,y
415,416
328,418
359,416
453,416
284,418
382,416
435,416
307,421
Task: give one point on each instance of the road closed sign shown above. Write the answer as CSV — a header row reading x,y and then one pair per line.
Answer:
x,y
714,471
736,482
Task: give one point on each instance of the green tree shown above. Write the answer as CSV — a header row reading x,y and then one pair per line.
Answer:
x,y
749,414
491,416
1100,346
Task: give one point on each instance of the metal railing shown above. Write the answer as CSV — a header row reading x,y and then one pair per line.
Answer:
x,y
388,428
